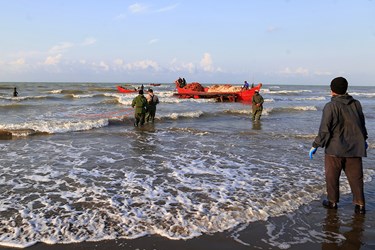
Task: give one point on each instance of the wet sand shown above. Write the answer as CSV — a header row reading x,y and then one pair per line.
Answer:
x,y
311,227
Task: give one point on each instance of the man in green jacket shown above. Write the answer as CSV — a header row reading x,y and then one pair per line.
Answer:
x,y
140,105
257,105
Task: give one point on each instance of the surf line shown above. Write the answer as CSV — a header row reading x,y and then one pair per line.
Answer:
x,y
125,112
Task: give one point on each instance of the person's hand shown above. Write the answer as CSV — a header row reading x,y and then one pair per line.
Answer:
x,y
366,145
312,151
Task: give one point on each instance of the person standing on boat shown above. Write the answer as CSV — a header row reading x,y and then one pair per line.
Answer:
x,y
140,105
257,105
343,134
246,85
152,101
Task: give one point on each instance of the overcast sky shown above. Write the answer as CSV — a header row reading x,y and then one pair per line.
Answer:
x,y
208,41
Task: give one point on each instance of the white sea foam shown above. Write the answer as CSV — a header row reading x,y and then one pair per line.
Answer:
x,y
180,195
283,92
304,108
55,91
317,98
175,116
83,95
203,172
366,94
23,98
55,126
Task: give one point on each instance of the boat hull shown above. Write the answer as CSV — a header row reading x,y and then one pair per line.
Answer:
x,y
242,95
124,90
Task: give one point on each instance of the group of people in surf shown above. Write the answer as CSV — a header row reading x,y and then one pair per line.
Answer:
x,y
181,82
144,107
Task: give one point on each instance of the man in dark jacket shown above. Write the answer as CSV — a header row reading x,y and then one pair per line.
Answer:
x,y
343,134
257,105
140,105
152,101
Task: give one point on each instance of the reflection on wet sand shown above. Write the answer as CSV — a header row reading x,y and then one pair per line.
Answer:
x,y
257,125
341,234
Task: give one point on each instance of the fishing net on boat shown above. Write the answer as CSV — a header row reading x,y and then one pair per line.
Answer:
x,y
224,88
194,86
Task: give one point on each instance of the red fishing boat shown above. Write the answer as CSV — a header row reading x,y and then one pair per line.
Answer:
x,y
126,90
220,92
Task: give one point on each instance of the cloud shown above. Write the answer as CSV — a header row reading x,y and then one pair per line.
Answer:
x,y
118,62
152,41
142,65
103,66
272,29
88,41
206,63
167,8
142,8
120,16
322,73
61,47
297,71
190,67
137,8
175,66
53,60
20,61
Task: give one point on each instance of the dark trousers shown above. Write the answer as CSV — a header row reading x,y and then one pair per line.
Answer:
x,y
257,114
139,119
353,169
150,116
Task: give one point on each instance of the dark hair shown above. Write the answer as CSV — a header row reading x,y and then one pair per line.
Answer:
x,y
339,85
140,92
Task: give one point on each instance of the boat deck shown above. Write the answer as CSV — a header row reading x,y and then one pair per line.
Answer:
x,y
220,97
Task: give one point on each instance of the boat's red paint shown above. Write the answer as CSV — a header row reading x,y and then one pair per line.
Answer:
x,y
124,90
242,95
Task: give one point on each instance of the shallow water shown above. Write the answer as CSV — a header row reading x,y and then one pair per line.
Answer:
x,y
77,170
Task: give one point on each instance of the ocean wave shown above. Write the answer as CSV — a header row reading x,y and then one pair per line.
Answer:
x,y
54,126
289,92
192,131
102,89
72,91
317,98
21,98
175,115
55,91
238,111
365,94
290,109
269,110
83,95
14,105
75,195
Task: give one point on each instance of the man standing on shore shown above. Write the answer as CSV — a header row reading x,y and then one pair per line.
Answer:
x,y
257,105
343,134
140,104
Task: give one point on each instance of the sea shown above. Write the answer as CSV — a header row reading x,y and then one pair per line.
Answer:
x,y
76,169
